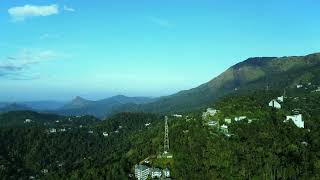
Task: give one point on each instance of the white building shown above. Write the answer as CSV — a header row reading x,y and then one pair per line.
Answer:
x,y
224,128
240,118
63,130
185,131
52,130
27,121
177,115
280,99
105,134
211,111
275,104
212,123
147,124
166,172
227,121
297,120
299,86
141,172
90,132
44,171
156,173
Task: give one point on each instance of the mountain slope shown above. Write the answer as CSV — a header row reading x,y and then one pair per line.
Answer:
x,y
251,74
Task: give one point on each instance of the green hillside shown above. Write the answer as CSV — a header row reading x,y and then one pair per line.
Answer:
x,y
253,73
266,148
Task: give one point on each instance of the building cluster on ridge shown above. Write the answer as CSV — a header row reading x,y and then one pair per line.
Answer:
x,y
143,172
276,103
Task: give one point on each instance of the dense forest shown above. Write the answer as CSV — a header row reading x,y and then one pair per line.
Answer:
x,y
266,148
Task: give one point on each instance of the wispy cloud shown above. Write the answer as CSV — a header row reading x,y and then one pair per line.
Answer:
x,y
20,13
66,8
46,36
13,67
160,21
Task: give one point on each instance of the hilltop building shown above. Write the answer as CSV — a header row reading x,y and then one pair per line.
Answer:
x,y
210,112
299,86
227,120
280,99
52,130
212,123
105,134
317,90
141,172
296,119
224,128
275,104
156,173
240,118
44,171
27,121
177,115
166,172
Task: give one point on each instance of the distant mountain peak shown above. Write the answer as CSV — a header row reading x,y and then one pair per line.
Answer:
x,y
79,98
119,96
77,102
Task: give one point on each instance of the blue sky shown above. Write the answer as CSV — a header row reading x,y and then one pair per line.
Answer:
x,y
61,49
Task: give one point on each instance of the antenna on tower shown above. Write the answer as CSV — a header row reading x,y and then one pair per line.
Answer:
x,y
166,136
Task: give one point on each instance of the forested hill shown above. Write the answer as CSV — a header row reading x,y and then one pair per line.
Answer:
x,y
264,148
30,118
254,73
96,150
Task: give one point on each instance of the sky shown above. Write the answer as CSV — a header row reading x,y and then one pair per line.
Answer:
x,y
56,50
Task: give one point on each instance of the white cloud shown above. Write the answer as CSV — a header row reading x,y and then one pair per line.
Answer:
x,y
160,21
20,13
13,66
66,8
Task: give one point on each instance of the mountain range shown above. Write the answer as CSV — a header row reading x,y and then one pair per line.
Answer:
x,y
35,105
100,108
77,106
252,74
255,73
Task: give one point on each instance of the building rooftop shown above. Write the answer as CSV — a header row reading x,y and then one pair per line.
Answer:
x,y
141,167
